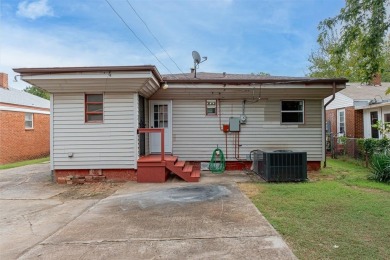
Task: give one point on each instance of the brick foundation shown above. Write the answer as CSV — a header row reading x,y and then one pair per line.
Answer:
x,y
94,175
123,175
246,165
313,166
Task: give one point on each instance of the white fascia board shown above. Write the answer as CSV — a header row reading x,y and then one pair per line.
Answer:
x,y
26,110
90,75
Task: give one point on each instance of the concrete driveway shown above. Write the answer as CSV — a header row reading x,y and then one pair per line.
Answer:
x,y
175,220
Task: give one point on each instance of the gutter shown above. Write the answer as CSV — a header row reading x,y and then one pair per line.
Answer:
x,y
327,103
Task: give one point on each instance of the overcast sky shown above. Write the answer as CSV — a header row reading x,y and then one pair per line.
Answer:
x,y
237,36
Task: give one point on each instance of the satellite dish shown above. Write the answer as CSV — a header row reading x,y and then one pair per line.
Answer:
x,y
197,60
196,57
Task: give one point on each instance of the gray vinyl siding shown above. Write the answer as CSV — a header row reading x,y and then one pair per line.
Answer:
x,y
195,135
107,145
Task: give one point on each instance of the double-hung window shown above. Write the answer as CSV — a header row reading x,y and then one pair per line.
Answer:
x,y
341,122
292,112
93,108
28,120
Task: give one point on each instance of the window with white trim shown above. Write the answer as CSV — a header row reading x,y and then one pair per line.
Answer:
x,y
211,107
341,122
28,120
292,111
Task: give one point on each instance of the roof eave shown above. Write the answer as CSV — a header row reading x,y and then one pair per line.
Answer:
x,y
64,70
256,81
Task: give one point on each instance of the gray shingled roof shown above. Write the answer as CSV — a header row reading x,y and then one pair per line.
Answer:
x,y
357,91
207,77
19,97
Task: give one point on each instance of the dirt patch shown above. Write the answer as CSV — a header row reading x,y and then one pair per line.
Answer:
x,y
250,189
99,190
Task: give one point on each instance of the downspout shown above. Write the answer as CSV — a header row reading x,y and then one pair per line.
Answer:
x,y
327,103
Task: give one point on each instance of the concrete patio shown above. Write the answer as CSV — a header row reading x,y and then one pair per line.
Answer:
x,y
174,220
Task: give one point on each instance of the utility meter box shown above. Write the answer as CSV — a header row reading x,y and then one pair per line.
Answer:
x,y
243,119
234,124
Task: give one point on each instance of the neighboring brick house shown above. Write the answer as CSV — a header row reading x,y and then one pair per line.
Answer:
x,y
347,114
24,124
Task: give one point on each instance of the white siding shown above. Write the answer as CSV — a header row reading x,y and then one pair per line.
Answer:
x,y
195,135
107,145
367,118
340,101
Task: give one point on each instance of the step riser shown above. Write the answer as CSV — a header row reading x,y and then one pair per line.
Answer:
x,y
157,171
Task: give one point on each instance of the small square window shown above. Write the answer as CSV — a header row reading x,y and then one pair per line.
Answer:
x,y
292,112
211,107
93,108
28,120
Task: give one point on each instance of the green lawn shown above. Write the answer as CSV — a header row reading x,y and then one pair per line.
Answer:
x,y
337,215
23,163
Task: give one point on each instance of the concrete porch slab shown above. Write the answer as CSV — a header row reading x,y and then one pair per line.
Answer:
x,y
171,221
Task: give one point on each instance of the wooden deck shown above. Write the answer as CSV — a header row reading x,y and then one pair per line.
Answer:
x,y
156,158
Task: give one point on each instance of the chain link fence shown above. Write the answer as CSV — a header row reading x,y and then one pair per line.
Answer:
x,y
343,146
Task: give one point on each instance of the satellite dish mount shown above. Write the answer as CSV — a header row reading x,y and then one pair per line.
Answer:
x,y
197,60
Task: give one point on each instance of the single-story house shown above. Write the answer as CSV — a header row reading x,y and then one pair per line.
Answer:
x,y
376,110
99,115
356,108
24,124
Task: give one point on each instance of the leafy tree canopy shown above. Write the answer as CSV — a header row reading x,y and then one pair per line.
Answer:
x,y
37,92
352,44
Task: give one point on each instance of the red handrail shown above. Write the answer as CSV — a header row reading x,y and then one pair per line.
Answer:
x,y
155,130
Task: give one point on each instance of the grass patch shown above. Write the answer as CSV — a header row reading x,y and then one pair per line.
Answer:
x,y
23,163
340,214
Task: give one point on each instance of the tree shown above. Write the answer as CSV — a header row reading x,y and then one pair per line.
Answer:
x,y
324,62
386,64
352,42
37,92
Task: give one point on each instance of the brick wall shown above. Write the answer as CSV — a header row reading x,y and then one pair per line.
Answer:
x,y
331,115
18,143
350,122
353,121
359,125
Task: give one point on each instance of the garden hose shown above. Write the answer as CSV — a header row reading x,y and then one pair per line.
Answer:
x,y
217,166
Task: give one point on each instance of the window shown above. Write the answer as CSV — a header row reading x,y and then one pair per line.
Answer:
x,y
374,120
93,107
160,116
292,111
341,122
28,120
211,107
387,118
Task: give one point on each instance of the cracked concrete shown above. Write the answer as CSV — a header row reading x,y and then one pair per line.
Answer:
x,y
175,220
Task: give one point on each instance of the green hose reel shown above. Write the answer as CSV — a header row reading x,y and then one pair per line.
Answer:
x,y
217,162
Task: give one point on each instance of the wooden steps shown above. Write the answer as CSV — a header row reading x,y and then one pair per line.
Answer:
x,y
152,169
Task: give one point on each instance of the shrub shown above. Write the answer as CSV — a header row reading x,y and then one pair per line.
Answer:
x,y
370,145
383,145
380,167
